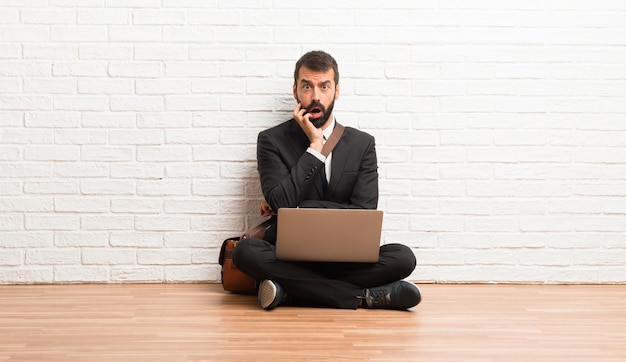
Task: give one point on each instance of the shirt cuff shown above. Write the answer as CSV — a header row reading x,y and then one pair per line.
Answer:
x,y
318,155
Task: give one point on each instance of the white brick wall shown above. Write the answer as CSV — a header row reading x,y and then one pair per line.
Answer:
x,y
128,129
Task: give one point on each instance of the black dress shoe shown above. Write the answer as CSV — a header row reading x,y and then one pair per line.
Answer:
x,y
398,295
271,294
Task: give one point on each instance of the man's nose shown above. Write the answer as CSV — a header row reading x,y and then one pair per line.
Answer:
x,y
317,94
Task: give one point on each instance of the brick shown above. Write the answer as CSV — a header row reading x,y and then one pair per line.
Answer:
x,y
80,137
9,16
215,188
190,273
25,239
192,136
50,120
137,239
191,103
164,120
50,86
56,52
161,52
137,274
103,17
32,16
103,222
164,187
9,153
77,3
81,103
135,69
10,257
25,103
164,153
9,85
81,239
105,52
106,153
162,86
81,204
137,171
24,33
162,223
51,153
137,205
106,120
83,169
10,188
136,103
51,222
62,256
193,170
107,187
108,256
190,206
25,204
164,257
192,240
105,86
134,33
73,33
25,170
159,17
26,275
81,274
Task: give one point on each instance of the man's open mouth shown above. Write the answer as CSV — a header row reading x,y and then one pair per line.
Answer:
x,y
316,112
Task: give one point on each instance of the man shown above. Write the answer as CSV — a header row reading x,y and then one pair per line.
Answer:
x,y
294,173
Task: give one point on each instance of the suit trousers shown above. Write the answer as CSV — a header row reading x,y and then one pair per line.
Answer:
x,y
331,284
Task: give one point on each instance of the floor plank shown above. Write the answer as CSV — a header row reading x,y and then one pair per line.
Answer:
x,y
200,322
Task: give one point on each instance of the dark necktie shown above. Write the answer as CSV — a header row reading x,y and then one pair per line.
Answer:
x,y
323,175
324,180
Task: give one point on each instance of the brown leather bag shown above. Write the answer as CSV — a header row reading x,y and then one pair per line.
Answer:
x,y
233,279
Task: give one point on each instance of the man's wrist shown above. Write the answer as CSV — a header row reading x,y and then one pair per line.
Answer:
x,y
317,154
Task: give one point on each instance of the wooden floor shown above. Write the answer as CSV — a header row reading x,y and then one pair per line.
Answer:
x,y
200,322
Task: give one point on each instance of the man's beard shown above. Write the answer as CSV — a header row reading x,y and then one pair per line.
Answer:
x,y
319,122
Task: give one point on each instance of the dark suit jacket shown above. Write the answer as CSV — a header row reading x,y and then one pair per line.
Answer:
x,y
290,176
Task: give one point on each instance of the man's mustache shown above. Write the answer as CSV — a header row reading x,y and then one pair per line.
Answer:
x,y
315,104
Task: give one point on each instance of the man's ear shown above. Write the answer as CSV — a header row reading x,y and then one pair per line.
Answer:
x,y
295,93
337,91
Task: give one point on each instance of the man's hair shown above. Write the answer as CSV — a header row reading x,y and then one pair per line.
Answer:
x,y
318,61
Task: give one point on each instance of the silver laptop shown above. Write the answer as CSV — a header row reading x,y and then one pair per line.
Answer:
x,y
335,235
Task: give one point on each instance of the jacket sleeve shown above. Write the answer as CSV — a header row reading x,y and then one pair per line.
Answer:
x,y
283,186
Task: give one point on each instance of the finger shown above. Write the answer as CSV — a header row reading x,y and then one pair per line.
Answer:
x,y
297,109
300,114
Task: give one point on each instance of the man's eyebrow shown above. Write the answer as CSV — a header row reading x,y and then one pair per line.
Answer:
x,y
310,82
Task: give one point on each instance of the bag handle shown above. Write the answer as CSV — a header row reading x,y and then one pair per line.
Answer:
x,y
333,139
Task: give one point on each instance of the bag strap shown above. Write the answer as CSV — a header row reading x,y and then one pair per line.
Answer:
x,y
333,139
257,230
